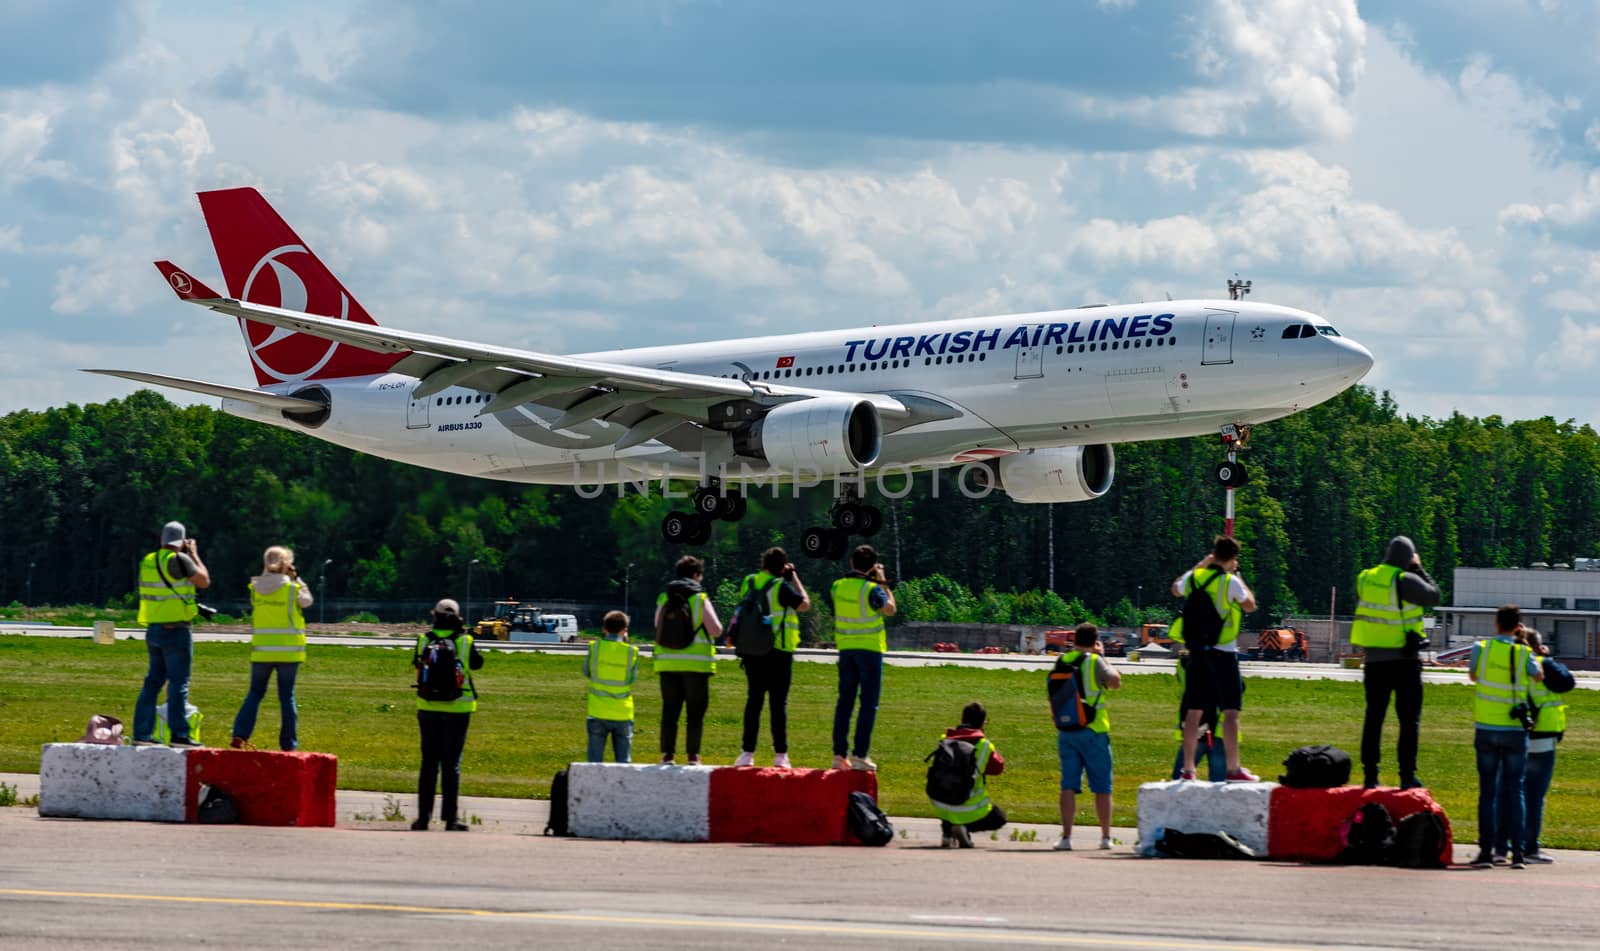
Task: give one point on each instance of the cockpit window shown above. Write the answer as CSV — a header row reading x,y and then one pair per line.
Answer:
x,y
1291,332
1306,330
1327,331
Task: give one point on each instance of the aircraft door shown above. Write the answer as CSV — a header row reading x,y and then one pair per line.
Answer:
x,y
1219,338
1030,363
417,411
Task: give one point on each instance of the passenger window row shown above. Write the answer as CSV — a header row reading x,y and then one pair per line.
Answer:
x,y
1118,345
458,400
791,372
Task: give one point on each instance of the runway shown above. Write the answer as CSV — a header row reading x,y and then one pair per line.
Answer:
x,y
375,884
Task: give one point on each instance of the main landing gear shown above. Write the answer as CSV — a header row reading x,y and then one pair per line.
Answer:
x,y
849,517
709,503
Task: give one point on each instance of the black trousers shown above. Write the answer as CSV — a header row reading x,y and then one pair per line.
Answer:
x,y
680,688
767,676
1402,679
994,820
444,735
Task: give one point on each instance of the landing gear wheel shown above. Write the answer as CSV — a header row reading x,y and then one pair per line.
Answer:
x,y
676,528
838,543
699,531
847,518
732,508
1241,476
1232,475
871,521
706,502
814,542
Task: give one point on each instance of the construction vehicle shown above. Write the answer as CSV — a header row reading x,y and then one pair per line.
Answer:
x,y
1280,643
1156,634
513,617
1060,641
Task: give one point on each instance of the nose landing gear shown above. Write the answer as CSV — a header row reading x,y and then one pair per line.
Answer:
x,y
1232,474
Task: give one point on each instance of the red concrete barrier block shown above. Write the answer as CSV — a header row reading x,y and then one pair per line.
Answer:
x,y
786,806
270,788
1304,824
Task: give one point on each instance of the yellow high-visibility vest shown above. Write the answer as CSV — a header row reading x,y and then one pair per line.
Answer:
x,y
700,657
277,626
1501,678
613,665
1382,619
856,626
785,621
158,602
978,804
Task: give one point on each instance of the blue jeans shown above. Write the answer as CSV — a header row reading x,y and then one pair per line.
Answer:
x,y
860,671
621,733
1502,764
171,653
1535,784
245,723
1210,750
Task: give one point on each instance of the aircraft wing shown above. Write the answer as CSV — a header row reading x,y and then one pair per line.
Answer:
x,y
585,389
288,404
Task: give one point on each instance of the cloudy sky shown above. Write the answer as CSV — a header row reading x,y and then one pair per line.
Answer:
x,y
565,177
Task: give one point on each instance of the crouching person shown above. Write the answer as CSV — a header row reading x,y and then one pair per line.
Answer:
x,y
956,785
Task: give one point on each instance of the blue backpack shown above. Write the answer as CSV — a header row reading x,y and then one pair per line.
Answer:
x,y
1065,685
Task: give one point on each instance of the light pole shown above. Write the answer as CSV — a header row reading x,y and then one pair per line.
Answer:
x,y
1237,289
322,592
1139,604
627,588
30,589
469,591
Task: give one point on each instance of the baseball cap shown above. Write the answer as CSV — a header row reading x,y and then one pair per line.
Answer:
x,y
172,533
447,606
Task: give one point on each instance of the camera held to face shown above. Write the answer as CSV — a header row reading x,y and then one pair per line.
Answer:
x,y
1525,714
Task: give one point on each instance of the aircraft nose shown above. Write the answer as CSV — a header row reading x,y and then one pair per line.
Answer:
x,y
1353,356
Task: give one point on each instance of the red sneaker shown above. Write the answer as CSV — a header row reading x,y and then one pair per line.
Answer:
x,y
1242,775
1187,776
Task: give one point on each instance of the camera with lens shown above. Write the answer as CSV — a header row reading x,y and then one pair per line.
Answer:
x,y
205,611
1525,714
1416,642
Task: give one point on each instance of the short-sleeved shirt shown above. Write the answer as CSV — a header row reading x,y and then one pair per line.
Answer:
x,y
1238,593
179,566
1532,668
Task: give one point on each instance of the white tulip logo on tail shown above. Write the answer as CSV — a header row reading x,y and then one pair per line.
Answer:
x,y
279,280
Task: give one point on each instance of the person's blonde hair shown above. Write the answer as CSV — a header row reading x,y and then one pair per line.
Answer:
x,y
278,560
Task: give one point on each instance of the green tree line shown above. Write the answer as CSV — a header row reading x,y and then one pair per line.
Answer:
x,y
85,489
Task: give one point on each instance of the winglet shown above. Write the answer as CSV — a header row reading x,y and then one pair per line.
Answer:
x,y
187,287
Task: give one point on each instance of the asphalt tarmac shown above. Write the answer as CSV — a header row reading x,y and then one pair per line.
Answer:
x,y
375,884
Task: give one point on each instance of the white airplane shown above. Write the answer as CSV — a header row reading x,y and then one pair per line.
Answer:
x,y
1032,403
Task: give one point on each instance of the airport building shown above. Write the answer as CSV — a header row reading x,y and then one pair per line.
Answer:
x,y
1562,602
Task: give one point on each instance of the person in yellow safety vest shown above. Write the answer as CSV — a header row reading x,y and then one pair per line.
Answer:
x,y
1501,669
769,675
1208,745
278,600
1390,599
610,667
1548,730
1213,676
957,821
685,673
446,700
168,580
1086,751
861,600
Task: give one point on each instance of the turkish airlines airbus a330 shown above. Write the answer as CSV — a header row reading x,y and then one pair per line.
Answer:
x,y
1032,401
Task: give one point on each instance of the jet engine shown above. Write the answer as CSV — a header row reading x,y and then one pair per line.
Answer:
x,y
826,435
1068,474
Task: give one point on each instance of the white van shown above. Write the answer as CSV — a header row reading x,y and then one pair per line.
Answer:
x,y
565,626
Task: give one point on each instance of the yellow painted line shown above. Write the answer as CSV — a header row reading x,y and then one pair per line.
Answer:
x,y
803,928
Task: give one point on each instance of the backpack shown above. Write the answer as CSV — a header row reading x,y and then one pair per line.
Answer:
x,y
867,821
1316,767
752,625
1557,678
952,772
556,824
1368,836
440,674
1067,708
217,808
1419,841
1202,845
676,629
1200,625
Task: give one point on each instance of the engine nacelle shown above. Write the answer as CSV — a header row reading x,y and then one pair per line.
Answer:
x,y
822,436
1069,474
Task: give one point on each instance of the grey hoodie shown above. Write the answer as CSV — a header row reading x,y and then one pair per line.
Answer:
x,y
1415,587
266,584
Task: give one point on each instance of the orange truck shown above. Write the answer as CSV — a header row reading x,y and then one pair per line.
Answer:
x,y
1281,643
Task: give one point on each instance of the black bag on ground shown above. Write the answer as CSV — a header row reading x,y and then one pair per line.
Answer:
x,y
556,824
867,821
676,630
1316,767
217,808
1418,841
952,771
1202,845
752,625
1202,625
1368,836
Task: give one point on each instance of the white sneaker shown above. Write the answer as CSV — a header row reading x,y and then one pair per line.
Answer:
x,y
745,759
861,762
839,762
1063,844
781,761
1538,858
1105,843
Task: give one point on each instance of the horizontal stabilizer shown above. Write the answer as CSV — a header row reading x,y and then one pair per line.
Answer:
x,y
288,404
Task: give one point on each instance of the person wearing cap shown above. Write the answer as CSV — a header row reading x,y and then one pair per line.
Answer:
x,y
278,600
168,580
1390,600
443,722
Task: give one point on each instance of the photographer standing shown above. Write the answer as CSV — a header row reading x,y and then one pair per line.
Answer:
x,y
861,600
1501,670
168,580
783,597
1390,599
277,643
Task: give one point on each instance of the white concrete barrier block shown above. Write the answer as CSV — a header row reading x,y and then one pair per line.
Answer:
x,y
627,801
91,781
1239,809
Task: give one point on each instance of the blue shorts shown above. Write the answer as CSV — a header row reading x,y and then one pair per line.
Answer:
x,y
1085,751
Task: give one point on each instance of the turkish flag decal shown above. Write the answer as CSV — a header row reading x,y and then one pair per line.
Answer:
x,y
785,362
